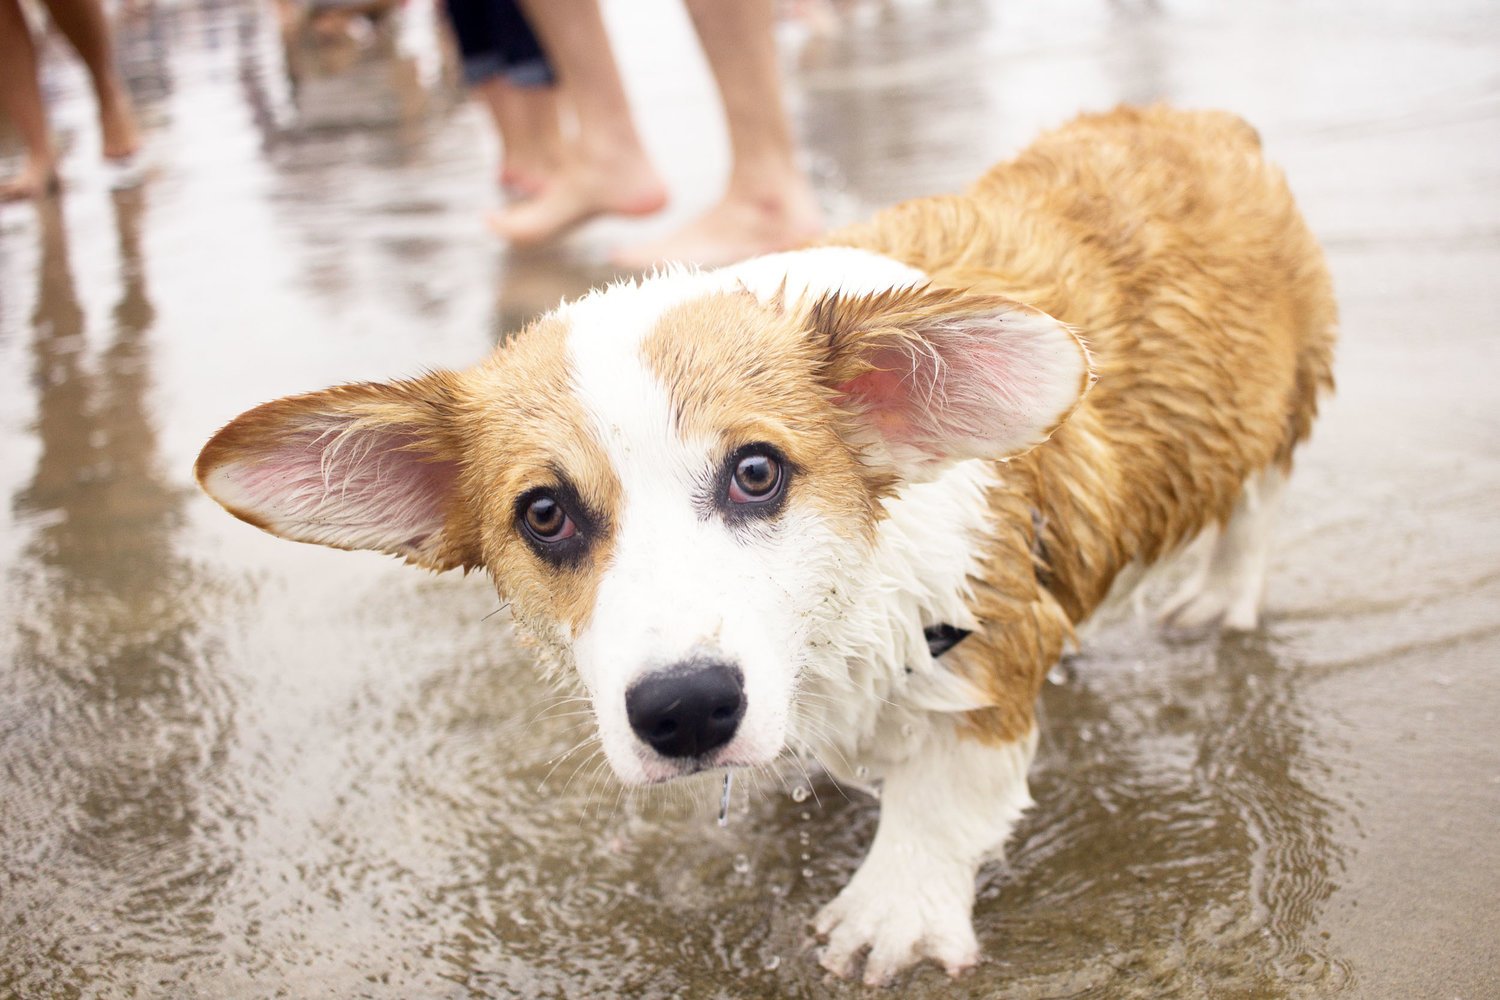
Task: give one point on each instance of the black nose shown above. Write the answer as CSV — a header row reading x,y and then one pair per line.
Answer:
x,y
687,710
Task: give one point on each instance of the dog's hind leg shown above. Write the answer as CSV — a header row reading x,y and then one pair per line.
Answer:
x,y
1229,585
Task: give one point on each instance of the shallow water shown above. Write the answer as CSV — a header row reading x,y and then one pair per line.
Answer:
x,y
233,766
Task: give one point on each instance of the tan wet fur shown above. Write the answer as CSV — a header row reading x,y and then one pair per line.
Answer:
x,y
1177,252
508,425
760,378
526,429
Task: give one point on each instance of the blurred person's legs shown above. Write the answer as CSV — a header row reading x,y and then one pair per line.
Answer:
x,y
84,25
503,62
768,204
21,98
604,169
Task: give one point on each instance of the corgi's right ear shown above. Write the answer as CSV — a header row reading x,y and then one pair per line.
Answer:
x,y
932,376
367,466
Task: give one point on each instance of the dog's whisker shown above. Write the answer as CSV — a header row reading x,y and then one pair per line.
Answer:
x,y
590,735
552,702
548,713
591,740
620,793
816,734
596,782
582,713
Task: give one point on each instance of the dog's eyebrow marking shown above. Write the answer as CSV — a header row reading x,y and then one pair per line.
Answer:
x,y
531,432
736,372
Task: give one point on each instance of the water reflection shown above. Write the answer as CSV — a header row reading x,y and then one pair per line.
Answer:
x,y
142,38
110,720
1179,836
883,82
344,124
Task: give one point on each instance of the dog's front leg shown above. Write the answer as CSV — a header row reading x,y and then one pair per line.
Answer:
x,y
942,811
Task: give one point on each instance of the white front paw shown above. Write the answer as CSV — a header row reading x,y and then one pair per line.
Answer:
x,y
902,917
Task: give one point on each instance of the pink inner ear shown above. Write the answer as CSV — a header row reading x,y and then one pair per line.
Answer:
x,y
885,396
366,489
985,385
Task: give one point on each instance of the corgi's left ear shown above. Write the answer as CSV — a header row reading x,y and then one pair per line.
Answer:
x,y
934,376
367,466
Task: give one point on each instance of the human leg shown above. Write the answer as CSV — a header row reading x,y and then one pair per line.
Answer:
x,y
21,98
605,169
768,203
504,65
526,119
529,98
84,25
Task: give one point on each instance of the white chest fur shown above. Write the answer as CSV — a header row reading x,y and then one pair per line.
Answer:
x,y
866,700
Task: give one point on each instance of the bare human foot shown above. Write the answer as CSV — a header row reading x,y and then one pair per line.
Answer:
x,y
738,227
519,183
587,186
38,179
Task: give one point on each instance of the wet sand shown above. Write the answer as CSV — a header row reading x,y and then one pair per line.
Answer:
x,y
236,767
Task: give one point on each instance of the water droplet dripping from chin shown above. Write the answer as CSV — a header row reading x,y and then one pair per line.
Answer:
x,y
800,793
724,799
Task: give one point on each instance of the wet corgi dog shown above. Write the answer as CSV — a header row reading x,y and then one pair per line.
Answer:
x,y
749,508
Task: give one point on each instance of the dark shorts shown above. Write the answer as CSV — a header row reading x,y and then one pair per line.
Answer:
x,y
495,39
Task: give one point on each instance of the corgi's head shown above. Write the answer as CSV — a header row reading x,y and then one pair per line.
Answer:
x,y
673,483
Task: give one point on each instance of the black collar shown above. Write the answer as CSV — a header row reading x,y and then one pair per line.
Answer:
x,y
941,638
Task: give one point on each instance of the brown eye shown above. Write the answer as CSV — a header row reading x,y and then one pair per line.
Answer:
x,y
547,521
756,479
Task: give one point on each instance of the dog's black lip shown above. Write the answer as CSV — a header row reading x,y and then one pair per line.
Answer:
x,y
690,769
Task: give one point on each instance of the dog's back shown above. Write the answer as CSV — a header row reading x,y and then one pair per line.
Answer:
x,y
1178,254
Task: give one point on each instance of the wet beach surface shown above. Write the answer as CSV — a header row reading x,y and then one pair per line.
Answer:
x,y
232,766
